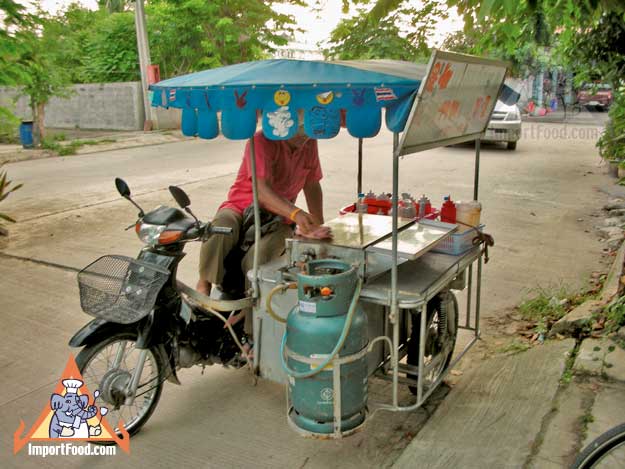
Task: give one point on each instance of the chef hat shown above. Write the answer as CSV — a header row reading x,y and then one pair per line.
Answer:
x,y
72,385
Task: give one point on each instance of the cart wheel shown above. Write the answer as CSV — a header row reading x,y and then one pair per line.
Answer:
x,y
437,340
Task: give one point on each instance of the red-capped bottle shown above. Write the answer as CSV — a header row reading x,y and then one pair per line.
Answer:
x,y
448,211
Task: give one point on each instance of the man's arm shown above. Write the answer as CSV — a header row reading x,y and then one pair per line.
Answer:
x,y
314,200
280,206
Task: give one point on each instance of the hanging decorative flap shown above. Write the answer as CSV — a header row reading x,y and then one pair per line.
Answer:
x,y
327,95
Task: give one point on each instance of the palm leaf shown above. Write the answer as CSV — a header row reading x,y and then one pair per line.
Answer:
x,y
4,216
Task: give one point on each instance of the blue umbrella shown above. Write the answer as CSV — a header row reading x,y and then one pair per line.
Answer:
x,y
279,89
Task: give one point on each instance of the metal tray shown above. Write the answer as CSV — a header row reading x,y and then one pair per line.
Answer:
x,y
416,240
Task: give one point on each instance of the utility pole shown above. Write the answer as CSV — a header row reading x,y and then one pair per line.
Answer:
x,y
144,60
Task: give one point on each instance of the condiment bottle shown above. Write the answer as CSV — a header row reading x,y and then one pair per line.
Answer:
x,y
448,211
361,206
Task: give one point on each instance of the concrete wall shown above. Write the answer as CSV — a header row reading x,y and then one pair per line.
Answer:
x,y
108,106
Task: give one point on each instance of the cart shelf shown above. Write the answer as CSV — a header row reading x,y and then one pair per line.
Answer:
x,y
419,280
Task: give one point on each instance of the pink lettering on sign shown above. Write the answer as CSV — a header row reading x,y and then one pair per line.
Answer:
x,y
450,109
480,108
440,76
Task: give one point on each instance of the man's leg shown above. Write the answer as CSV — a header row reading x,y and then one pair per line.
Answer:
x,y
216,248
272,246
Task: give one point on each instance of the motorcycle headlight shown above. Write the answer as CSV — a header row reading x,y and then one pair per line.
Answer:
x,y
514,115
149,234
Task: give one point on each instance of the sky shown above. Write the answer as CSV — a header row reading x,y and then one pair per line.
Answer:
x,y
317,25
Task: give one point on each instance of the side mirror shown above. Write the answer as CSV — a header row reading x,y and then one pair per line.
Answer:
x,y
122,188
180,196
124,191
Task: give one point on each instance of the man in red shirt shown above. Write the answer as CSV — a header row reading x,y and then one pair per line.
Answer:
x,y
284,168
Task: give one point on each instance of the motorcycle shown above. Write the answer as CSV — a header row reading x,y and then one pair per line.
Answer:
x,y
147,324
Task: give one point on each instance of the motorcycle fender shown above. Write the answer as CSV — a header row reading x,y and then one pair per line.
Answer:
x,y
95,330
98,329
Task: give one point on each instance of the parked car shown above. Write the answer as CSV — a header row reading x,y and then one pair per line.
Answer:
x,y
504,125
597,95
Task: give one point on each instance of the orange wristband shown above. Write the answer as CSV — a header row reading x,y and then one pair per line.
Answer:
x,y
293,213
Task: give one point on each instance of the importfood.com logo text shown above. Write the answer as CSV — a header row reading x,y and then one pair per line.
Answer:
x,y
560,132
70,449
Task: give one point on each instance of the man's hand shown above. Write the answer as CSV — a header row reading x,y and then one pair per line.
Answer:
x,y
305,221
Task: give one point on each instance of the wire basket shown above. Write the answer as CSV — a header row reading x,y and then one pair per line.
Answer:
x,y
120,289
458,243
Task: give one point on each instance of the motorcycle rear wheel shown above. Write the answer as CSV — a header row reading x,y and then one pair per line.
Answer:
x,y
95,363
432,346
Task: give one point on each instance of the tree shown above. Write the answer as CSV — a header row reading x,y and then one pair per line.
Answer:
x,y
191,35
12,16
113,6
401,33
110,51
45,73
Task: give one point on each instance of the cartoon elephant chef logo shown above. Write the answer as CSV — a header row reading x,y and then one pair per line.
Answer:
x,y
71,413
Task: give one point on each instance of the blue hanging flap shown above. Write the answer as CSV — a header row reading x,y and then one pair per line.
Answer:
x,y
280,88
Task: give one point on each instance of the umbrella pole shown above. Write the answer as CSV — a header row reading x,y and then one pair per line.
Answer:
x,y
256,219
476,180
394,306
359,166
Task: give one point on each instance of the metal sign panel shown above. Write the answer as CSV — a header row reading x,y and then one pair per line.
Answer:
x,y
454,102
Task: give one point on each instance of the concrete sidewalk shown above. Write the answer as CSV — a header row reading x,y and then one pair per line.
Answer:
x,y
493,416
98,142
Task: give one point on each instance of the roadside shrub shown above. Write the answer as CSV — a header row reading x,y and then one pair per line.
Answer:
x,y
5,190
9,127
612,142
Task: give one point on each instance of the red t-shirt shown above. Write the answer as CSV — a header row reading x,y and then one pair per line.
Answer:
x,y
287,171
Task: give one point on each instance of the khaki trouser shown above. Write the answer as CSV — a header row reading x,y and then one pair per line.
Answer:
x,y
217,247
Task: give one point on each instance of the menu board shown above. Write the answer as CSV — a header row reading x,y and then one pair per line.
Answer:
x,y
454,102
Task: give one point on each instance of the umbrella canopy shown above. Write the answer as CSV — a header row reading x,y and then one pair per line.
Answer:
x,y
278,89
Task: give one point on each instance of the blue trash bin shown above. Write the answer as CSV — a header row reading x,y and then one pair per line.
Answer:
x,y
26,134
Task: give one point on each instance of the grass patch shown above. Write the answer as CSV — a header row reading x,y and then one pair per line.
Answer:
x,y
514,347
546,305
584,421
615,315
60,137
72,147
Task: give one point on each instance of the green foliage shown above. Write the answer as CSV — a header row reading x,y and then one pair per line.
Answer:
x,y
543,304
72,147
44,66
400,34
615,315
5,190
113,6
515,347
8,126
12,16
192,35
611,144
184,35
110,50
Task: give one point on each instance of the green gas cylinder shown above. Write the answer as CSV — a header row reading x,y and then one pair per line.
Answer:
x,y
328,302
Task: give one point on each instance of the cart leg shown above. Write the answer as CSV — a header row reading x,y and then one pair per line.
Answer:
x,y
422,335
478,296
469,291
395,360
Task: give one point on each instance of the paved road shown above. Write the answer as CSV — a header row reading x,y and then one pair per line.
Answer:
x,y
539,203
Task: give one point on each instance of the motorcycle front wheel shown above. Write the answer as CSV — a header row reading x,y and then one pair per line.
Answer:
x,y
109,365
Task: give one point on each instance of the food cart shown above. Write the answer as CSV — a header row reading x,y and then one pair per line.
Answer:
x,y
396,282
